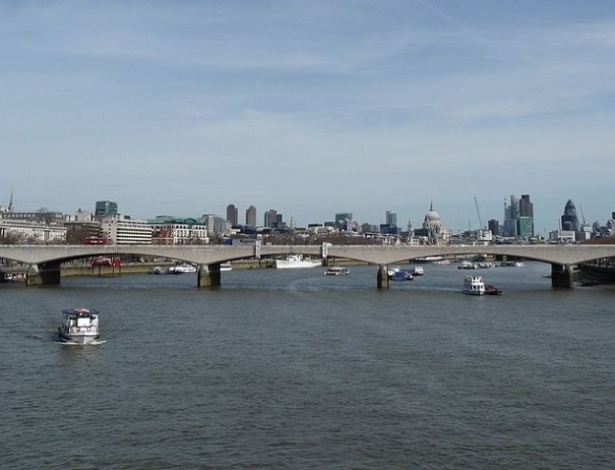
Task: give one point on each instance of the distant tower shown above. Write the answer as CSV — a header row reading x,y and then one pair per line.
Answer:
x,y
570,221
231,214
251,216
391,218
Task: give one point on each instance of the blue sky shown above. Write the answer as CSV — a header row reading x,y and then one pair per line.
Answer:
x,y
310,107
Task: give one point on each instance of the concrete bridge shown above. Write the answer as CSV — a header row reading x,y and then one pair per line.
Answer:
x,y
44,260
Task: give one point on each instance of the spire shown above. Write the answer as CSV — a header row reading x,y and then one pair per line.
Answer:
x,y
431,206
11,202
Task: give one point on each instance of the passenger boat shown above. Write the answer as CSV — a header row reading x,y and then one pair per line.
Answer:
x,y
337,271
226,266
397,274
79,325
474,285
296,261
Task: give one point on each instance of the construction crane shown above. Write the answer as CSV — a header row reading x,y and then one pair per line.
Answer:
x,y
480,220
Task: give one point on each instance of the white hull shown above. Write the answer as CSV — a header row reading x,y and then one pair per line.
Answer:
x,y
295,261
474,285
79,326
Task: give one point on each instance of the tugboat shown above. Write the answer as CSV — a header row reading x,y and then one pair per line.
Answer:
x,y
490,289
79,325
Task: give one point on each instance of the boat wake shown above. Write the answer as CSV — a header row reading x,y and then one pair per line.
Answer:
x,y
74,343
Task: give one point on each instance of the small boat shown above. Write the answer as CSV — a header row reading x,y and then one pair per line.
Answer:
x,y
79,325
337,271
296,261
417,271
397,274
181,269
226,266
467,265
474,285
509,264
492,290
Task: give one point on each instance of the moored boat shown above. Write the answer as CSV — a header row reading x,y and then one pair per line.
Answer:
x,y
181,269
79,325
296,261
337,271
474,285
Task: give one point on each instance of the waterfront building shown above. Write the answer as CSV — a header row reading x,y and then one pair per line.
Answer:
x,y
105,209
570,220
122,230
31,232
251,216
178,231
232,215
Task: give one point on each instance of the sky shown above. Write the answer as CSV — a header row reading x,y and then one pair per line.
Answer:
x,y
310,108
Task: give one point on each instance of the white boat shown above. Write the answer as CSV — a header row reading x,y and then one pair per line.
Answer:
x,y
474,285
417,271
79,325
296,261
226,266
181,269
508,264
337,271
465,264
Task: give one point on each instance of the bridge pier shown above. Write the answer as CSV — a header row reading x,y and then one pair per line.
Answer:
x,y
209,275
561,276
44,274
382,280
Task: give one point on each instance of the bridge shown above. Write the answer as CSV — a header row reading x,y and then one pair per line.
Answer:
x,y
44,261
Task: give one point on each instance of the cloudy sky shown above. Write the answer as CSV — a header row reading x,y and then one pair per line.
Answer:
x,y
310,107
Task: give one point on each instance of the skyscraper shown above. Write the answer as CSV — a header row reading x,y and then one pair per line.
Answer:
x,y
231,214
251,216
570,221
519,217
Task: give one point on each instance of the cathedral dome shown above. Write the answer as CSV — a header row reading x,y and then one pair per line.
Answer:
x,y
432,220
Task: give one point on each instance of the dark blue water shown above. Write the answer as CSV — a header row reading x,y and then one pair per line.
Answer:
x,y
293,369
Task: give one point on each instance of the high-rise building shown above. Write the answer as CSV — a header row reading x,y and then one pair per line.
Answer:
x,y
519,217
343,220
270,218
570,221
251,216
391,218
231,215
105,209
526,217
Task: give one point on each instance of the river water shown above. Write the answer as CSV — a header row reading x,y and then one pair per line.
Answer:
x,y
296,370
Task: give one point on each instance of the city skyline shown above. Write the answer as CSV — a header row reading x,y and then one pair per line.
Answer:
x,y
311,108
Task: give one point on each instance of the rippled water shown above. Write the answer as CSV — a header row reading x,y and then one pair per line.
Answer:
x,y
292,369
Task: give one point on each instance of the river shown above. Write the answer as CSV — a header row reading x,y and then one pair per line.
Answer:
x,y
296,370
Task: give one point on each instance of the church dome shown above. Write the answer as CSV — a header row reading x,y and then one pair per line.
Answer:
x,y
432,220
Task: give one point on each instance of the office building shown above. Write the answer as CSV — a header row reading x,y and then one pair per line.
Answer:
x,y
105,209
